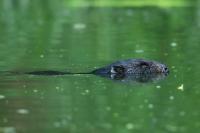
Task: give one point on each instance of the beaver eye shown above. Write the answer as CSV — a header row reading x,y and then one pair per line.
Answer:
x,y
166,69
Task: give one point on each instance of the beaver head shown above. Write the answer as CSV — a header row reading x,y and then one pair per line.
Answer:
x,y
132,66
138,66
156,67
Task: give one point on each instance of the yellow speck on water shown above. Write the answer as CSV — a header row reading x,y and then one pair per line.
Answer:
x,y
181,87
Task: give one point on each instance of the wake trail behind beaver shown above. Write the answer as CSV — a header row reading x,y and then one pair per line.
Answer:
x,y
52,73
42,73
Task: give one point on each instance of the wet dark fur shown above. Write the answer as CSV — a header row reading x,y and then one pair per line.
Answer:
x,y
133,66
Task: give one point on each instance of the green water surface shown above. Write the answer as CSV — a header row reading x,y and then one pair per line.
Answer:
x,y
49,36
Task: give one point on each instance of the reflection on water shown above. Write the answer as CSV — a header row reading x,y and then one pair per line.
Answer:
x,y
52,37
141,78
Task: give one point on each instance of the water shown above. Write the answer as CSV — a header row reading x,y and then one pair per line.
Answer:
x,y
53,37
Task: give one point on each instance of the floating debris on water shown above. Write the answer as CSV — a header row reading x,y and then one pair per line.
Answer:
x,y
173,44
79,26
173,67
2,97
129,126
171,97
181,87
35,90
85,92
150,106
57,87
22,111
158,86
41,56
139,51
7,130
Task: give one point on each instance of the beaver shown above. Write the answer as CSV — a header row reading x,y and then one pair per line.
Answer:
x,y
140,78
138,70
133,66
123,67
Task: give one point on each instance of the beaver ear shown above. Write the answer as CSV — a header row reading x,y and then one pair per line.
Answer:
x,y
118,69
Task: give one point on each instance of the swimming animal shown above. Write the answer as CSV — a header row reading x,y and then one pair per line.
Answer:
x,y
139,70
133,66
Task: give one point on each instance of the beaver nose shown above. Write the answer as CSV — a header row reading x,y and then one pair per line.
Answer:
x,y
166,70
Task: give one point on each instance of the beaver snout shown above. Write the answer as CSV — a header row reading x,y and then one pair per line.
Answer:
x,y
166,70
133,66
